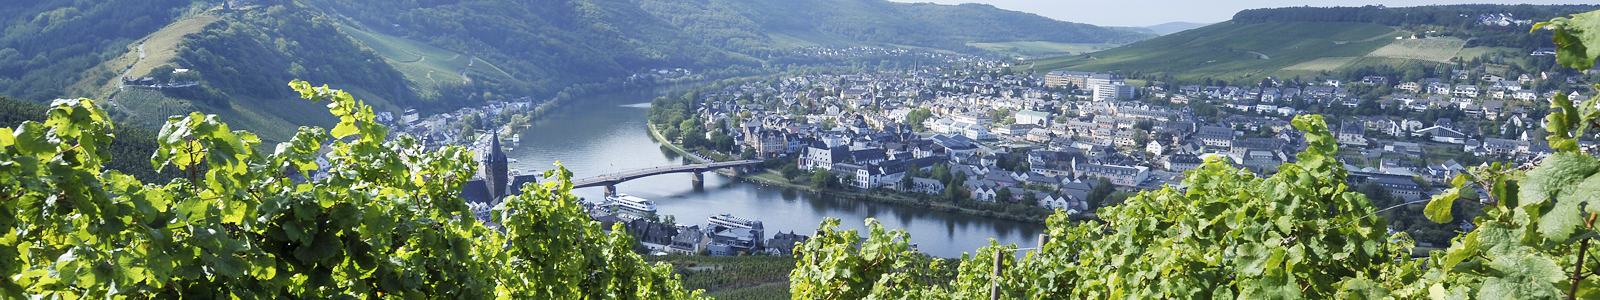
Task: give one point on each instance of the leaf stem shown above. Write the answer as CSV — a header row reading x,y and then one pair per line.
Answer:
x,y
1577,271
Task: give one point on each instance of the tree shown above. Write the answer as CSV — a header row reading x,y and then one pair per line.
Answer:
x,y
1002,195
1030,199
906,181
1098,194
917,116
162,74
822,179
790,171
388,221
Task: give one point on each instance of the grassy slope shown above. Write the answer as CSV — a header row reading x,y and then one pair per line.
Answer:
x,y
1223,50
424,64
160,48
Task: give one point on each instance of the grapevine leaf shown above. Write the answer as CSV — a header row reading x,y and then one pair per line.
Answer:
x,y
1557,173
1438,209
1570,37
1525,276
1561,220
1463,249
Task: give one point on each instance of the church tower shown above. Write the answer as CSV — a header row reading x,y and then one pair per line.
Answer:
x,y
494,169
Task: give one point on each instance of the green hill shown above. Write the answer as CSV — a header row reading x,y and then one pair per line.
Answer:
x,y
1232,49
442,55
1300,41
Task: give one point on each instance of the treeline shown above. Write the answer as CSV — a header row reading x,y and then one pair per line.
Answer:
x,y
1442,15
746,26
130,150
250,52
49,45
1443,20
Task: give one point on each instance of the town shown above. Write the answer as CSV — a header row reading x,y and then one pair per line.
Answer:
x,y
974,134
984,134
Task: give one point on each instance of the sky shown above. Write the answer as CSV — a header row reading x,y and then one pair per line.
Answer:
x,y
1139,13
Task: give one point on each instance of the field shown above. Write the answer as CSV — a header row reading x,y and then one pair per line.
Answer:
x,y
1322,64
1474,52
1438,50
1232,51
424,64
1043,47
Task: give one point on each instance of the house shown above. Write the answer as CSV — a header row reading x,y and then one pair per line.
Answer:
x,y
819,155
1352,133
689,241
656,236
928,186
1183,162
1154,147
1119,175
783,244
1504,146
729,241
1215,136
1055,163
1400,186
1466,90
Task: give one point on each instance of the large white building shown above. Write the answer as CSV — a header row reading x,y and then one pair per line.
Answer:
x,y
1112,91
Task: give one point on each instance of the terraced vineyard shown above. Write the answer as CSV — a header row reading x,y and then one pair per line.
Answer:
x,y
1437,50
1229,50
427,65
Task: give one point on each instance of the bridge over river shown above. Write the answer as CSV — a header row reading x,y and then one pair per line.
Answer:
x,y
610,181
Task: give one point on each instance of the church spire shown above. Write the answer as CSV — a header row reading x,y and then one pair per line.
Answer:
x,y
495,169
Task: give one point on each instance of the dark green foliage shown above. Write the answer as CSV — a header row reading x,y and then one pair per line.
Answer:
x,y
250,52
130,150
746,26
548,45
387,223
49,44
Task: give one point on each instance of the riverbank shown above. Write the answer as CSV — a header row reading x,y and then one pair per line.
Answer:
x,y
772,178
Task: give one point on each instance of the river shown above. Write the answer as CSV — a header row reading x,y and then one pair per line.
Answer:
x,y
607,134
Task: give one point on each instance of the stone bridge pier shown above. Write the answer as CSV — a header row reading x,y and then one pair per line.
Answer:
x,y
611,190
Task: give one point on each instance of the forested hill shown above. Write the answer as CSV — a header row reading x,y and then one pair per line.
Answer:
x,y
48,45
546,42
764,24
439,55
1451,20
1319,41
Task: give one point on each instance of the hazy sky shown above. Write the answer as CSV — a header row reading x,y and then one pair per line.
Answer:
x,y
1152,12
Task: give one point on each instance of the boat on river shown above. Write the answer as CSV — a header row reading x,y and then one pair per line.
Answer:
x,y
630,204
